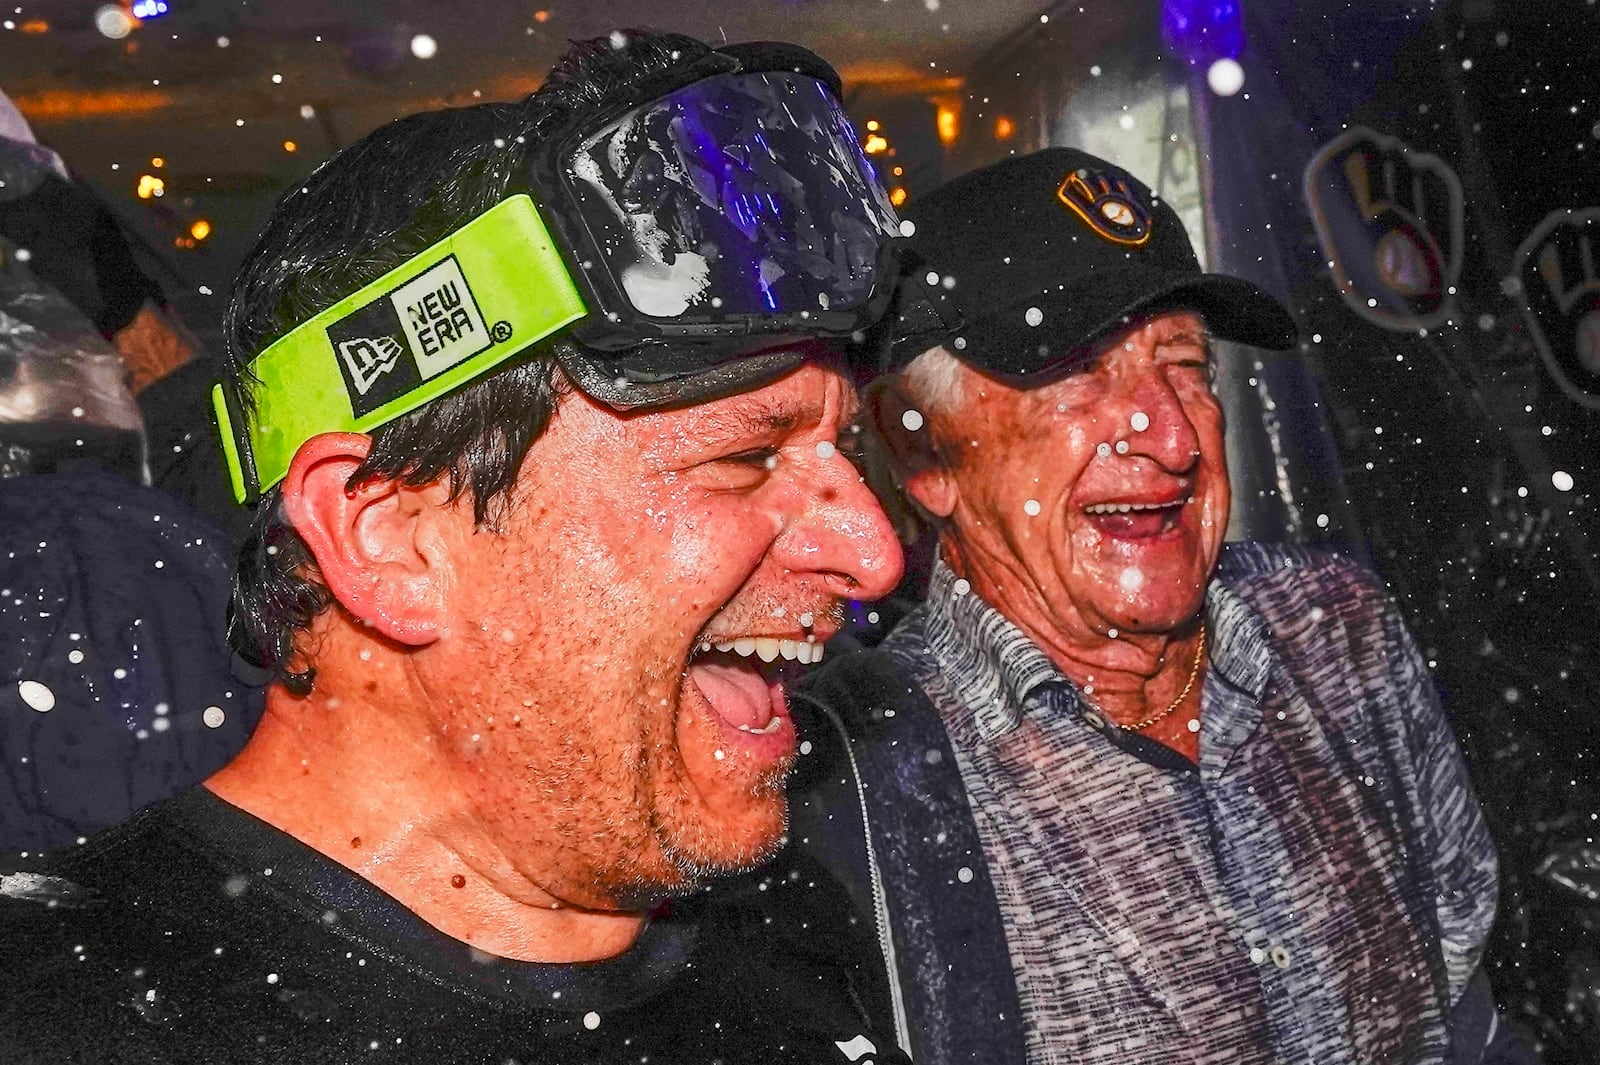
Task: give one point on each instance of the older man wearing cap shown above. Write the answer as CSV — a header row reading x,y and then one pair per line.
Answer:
x,y
548,496
1118,792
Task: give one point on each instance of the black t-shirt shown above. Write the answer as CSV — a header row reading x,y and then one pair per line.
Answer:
x,y
196,933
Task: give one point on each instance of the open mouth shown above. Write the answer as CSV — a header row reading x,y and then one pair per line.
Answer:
x,y
742,678
1127,520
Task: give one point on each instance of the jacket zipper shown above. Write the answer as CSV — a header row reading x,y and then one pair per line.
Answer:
x,y
880,901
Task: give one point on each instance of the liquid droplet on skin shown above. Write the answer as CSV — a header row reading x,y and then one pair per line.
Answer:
x,y
1103,450
912,420
1031,508
1131,579
1140,421
1122,447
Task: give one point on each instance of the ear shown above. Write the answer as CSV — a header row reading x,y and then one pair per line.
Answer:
x,y
379,546
915,454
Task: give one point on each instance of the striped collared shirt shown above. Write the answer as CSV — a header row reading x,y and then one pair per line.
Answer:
x,y
1316,889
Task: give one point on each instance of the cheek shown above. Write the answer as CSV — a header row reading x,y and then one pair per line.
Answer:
x,y
700,550
1035,457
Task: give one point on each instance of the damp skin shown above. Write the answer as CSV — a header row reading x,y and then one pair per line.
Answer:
x,y
1064,576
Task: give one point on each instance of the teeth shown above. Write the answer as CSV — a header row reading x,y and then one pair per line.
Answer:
x,y
765,730
770,649
1124,508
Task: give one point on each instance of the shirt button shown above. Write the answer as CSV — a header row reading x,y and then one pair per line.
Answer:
x,y
1094,719
1280,956
1257,955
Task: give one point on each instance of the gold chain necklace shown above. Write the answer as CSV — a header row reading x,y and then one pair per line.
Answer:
x,y
1188,686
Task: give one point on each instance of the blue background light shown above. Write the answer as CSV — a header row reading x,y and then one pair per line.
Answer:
x,y
1203,31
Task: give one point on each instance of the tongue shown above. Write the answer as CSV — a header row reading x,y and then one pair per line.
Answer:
x,y
1133,525
738,693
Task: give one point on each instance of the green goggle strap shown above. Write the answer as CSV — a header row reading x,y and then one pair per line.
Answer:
x,y
518,285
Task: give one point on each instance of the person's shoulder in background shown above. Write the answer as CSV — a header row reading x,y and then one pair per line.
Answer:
x,y
117,687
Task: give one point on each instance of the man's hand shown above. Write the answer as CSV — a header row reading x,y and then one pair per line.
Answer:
x,y
1390,223
1556,282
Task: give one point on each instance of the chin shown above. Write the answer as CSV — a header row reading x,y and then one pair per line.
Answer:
x,y
1153,617
723,845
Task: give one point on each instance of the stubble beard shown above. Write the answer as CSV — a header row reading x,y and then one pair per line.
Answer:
x,y
691,855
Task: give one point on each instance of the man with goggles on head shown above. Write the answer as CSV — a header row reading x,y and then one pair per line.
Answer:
x,y
539,418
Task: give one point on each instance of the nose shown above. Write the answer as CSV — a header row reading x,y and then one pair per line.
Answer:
x,y
842,534
1156,424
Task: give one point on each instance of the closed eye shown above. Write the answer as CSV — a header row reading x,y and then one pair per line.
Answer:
x,y
762,457
740,472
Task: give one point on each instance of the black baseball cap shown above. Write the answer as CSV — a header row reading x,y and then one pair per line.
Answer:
x,y
1019,266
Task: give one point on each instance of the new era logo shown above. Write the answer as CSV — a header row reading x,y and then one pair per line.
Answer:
x,y
404,337
368,358
441,319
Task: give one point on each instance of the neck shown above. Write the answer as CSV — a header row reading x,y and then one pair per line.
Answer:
x,y
1129,678
353,775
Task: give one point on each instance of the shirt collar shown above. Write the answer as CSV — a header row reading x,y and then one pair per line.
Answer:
x,y
991,665
993,668
1241,648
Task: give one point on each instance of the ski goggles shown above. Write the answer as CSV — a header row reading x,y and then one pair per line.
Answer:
x,y
681,238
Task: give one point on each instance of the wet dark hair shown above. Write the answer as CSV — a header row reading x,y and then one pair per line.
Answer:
x,y
371,207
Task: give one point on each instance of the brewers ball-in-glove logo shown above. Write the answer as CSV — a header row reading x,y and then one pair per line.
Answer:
x,y
1558,287
1390,223
1108,205
402,338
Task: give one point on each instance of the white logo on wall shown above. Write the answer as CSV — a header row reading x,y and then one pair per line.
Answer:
x,y
369,358
441,319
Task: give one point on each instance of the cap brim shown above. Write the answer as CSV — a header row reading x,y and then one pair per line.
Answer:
x,y
1058,325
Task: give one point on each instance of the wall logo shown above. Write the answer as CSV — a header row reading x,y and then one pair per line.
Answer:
x,y
1108,205
1390,223
408,335
1557,285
